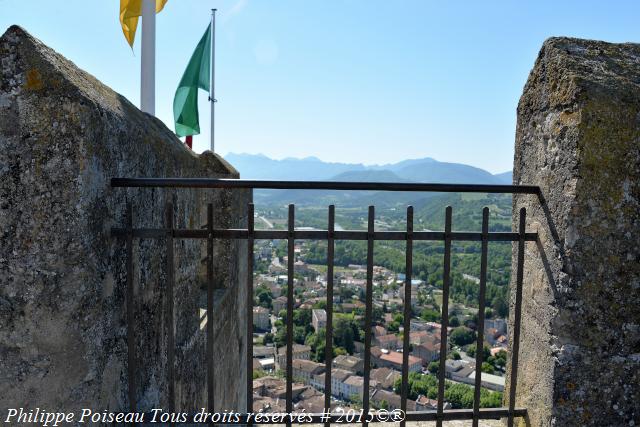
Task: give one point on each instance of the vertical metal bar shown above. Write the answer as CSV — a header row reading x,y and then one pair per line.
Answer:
x,y
481,308
445,314
407,313
250,228
131,333
328,349
290,261
515,345
368,315
210,365
169,307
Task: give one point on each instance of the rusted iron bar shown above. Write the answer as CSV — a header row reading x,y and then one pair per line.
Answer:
x,y
328,349
407,313
481,308
321,185
445,314
515,345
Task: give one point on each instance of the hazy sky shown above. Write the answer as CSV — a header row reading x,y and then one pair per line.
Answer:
x,y
344,80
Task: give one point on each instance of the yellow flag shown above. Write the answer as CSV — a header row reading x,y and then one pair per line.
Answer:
x,y
130,10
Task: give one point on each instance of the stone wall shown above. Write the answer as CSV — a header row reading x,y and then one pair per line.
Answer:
x,y
63,135
578,138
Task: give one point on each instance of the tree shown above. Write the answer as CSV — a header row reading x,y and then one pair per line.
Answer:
x,y
471,321
454,322
343,333
500,359
490,399
346,331
301,317
280,338
317,343
426,385
500,306
268,338
455,355
377,314
320,304
459,395
433,367
299,334
430,315
264,296
462,336
340,351
487,368
393,326
356,400
471,351
345,292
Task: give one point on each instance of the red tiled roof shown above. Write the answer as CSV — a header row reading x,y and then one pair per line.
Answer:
x,y
395,357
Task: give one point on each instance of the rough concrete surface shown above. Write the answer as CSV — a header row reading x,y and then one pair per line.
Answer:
x,y
578,138
63,135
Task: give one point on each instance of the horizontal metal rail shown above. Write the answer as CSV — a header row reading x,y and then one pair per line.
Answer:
x,y
321,185
465,414
241,233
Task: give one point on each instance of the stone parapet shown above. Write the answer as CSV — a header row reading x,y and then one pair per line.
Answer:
x,y
578,138
63,346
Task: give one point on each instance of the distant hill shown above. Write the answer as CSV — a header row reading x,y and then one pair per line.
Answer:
x,y
395,167
368,175
447,173
258,166
505,177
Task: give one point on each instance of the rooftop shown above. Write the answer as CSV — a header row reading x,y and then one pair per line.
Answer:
x,y
393,399
340,374
386,377
347,360
396,358
429,345
355,380
297,348
309,366
490,378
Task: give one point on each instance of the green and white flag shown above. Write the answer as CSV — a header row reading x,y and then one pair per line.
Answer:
x,y
196,76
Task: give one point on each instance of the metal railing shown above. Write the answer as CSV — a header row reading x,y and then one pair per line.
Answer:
x,y
170,233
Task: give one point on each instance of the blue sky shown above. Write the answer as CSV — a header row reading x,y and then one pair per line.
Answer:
x,y
344,80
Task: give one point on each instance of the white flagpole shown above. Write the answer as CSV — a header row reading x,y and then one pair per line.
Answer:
x,y
212,96
148,60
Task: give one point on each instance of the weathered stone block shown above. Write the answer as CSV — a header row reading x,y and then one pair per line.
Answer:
x,y
578,138
63,135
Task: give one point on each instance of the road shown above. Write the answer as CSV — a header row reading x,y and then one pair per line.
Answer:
x,y
266,221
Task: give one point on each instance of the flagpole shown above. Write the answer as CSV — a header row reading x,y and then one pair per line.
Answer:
x,y
212,97
148,60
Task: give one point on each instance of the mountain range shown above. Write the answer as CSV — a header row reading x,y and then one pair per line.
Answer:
x,y
258,166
